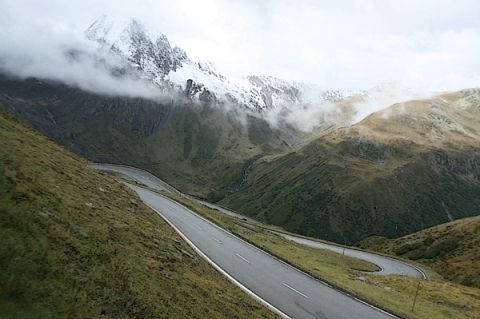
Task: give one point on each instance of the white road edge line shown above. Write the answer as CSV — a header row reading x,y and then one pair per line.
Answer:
x,y
243,258
262,301
172,189
220,270
276,258
295,290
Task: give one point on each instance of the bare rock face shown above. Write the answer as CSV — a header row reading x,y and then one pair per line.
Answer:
x,y
194,89
458,163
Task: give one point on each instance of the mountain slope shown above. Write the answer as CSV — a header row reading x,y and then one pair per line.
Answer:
x,y
171,70
451,249
406,168
76,243
197,148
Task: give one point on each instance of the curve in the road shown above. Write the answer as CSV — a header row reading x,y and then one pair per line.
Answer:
x,y
219,269
278,284
389,266
139,175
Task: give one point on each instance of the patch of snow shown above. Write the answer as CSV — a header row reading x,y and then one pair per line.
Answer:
x,y
170,69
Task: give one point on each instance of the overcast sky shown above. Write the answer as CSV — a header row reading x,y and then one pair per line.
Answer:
x,y
349,44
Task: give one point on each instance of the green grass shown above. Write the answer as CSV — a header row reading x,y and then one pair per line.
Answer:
x,y
377,177
437,298
386,175
196,148
451,249
326,190
78,244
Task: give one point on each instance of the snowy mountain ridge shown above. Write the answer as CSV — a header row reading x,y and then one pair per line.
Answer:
x,y
171,69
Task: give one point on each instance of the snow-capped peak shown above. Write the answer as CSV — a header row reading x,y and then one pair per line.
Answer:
x,y
171,69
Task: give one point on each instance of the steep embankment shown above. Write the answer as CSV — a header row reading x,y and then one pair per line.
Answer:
x,y
197,148
77,244
451,249
409,167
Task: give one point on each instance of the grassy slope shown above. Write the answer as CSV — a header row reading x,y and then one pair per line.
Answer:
x,y
197,148
452,249
204,151
390,175
437,298
369,179
77,244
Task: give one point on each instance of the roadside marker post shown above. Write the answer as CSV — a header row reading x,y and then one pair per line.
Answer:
x,y
415,299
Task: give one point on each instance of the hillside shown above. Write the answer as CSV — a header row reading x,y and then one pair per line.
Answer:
x,y
195,147
78,244
406,168
411,166
451,249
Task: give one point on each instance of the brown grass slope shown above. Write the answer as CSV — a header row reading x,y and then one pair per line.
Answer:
x,y
406,168
78,244
451,249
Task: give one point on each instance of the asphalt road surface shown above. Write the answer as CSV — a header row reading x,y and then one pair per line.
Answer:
x,y
287,289
388,265
135,174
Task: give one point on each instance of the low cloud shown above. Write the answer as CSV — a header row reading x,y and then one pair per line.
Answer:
x,y
49,52
424,46
348,44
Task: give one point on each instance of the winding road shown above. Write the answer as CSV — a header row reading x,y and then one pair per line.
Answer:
x,y
286,290
390,266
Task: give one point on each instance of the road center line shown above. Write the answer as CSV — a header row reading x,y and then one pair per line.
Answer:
x,y
298,292
217,240
239,256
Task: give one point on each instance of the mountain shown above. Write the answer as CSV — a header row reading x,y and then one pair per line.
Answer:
x,y
172,70
348,174
79,244
451,249
405,168
196,147
129,39
408,167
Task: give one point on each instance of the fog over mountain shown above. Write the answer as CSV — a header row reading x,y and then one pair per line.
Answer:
x,y
346,122
383,50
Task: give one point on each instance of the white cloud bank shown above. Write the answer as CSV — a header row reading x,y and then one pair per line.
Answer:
x,y
349,44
